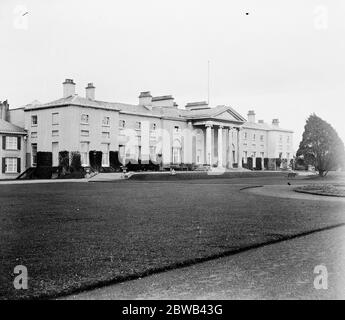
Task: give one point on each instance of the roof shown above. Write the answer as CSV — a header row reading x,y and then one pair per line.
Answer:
x,y
7,127
155,111
263,126
213,112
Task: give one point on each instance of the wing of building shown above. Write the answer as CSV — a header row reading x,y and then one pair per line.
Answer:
x,y
154,130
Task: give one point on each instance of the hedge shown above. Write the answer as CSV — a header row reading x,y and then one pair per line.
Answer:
x,y
44,159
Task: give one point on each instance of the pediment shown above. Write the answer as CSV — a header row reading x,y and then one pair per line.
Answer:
x,y
225,116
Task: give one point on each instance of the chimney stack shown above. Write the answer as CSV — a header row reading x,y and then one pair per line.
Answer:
x,y
90,91
4,110
68,88
145,98
251,116
275,122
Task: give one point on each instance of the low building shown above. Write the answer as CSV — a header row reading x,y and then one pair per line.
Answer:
x,y
12,146
153,130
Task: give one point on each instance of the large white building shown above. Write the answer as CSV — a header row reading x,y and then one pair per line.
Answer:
x,y
155,129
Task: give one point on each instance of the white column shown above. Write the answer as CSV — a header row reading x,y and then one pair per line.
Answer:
x,y
220,146
230,148
239,148
208,144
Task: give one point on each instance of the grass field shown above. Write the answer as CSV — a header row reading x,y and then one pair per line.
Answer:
x,y
72,236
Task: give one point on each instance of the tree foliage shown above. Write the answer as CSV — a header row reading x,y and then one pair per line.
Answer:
x,y
321,146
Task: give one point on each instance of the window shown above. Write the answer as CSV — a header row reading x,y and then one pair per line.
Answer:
x,y
55,133
138,125
105,154
280,138
261,138
254,136
262,155
85,133
176,129
152,153
154,126
55,118
288,139
84,153
106,135
176,155
11,143
245,135
254,154
106,121
34,120
11,165
84,119
122,124
34,134
34,154
245,156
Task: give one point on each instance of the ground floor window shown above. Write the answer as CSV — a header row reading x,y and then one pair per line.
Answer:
x,y
34,154
84,153
245,156
105,154
11,165
176,155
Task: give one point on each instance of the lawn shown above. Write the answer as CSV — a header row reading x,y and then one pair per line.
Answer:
x,y
72,236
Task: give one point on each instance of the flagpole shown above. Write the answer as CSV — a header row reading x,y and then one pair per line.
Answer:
x,y
208,82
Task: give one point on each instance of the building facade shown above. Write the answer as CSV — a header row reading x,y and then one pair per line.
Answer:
x,y
12,146
155,129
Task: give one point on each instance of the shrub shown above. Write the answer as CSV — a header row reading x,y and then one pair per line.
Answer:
x,y
75,161
258,164
64,160
95,159
250,163
114,160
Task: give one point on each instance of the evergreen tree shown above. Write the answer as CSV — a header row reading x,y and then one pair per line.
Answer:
x,y
321,146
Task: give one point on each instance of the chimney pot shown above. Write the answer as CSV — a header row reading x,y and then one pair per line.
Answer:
x,y
145,98
275,122
68,88
251,116
90,91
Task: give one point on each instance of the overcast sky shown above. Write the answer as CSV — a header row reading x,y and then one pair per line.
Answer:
x,y
285,59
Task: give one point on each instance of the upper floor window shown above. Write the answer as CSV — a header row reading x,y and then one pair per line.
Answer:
x,y
254,136
138,125
261,138
245,135
34,120
11,143
280,138
154,126
85,133
55,133
33,134
106,121
106,135
176,129
55,118
84,118
122,124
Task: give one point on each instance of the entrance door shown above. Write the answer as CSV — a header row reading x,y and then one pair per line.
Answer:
x,y
55,151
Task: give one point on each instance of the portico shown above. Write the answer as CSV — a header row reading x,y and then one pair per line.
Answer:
x,y
222,143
